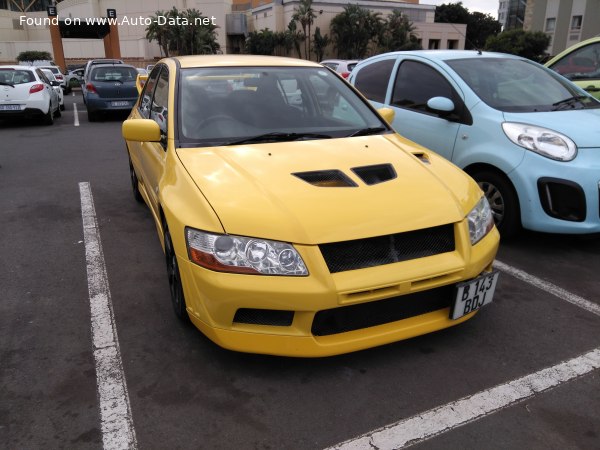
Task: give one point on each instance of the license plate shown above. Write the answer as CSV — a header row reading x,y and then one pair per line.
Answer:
x,y
10,107
120,103
473,294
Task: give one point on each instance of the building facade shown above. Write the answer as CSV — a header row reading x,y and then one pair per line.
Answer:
x,y
567,22
235,19
511,13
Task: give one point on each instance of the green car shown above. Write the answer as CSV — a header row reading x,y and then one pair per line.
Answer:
x,y
580,64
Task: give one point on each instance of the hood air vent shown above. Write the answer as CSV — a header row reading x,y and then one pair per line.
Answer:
x,y
375,174
326,178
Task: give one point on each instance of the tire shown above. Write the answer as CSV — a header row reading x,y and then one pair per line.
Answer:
x,y
57,113
173,274
62,107
92,116
48,118
503,200
135,186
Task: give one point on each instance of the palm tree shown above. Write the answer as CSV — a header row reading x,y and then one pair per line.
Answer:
x,y
305,15
159,33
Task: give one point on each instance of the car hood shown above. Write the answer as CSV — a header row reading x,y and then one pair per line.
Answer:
x,y
254,192
581,125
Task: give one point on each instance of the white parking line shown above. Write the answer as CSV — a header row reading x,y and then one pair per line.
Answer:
x,y
76,119
452,415
549,287
115,410
469,409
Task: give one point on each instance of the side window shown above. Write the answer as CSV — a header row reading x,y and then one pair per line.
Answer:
x,y
42,76
372,80
159,110
146,96
416,83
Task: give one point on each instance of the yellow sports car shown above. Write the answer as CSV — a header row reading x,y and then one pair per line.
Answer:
x,y
294,220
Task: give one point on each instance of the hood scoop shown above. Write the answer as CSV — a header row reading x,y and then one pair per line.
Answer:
x,y
375,174
326,178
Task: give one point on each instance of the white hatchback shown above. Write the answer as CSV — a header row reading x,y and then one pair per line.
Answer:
x,y
27,92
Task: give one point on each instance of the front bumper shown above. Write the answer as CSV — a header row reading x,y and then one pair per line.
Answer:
x,y
560,197
214,300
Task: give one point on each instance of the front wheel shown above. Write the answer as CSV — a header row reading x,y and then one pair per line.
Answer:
x,y
503,201
175,286
48,118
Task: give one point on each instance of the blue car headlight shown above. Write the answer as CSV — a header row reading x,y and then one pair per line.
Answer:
x,y
481,220
240,254
543,141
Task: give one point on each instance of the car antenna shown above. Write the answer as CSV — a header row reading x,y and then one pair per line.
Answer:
x,y
467,39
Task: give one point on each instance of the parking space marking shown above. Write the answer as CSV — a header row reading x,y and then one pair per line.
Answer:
x,y
115,409
76,114
549,287
445,418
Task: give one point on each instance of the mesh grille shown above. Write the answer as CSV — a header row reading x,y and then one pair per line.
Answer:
x,y
375,174
356,317
264,317
326,178
377,251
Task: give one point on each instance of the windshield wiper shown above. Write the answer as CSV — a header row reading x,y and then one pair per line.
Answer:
x,y
279,137
569,101
3,83
368,131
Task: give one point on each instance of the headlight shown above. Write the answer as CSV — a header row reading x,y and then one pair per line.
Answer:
x,y
480,220
238,254
546,142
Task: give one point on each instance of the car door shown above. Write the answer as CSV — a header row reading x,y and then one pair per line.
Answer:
x,y
153,154
415,82
53,96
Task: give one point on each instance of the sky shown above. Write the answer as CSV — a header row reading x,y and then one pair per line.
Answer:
x,y
484,6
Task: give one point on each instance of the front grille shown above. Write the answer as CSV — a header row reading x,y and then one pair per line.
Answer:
x,y
364,315
264,317
380,250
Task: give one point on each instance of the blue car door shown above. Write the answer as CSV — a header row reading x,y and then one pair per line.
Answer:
x,y
415,82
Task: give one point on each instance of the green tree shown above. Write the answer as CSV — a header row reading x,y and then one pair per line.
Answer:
x,y
182,34
320,42
305,15
261,42
479,26
295,36
397,33
33,55
353,30
529,44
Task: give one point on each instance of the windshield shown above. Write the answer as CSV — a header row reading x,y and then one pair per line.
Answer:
x,y
114,74
222,106
12,76
516,85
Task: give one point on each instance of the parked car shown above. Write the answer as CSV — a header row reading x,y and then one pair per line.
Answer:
x,y
75,77
580,64
57,86
88,67
142,71
110,88
25,92
341,66
59,76
527,135
309,229
149,68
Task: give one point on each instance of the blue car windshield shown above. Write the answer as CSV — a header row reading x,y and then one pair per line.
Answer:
x,y
518,85
230,105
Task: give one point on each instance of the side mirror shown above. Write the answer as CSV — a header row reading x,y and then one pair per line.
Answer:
x,y
55,83
141,130
388,114
441,105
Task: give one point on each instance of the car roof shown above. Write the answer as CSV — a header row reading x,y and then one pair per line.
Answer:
x,y
349,61
445,55
18,67
241,61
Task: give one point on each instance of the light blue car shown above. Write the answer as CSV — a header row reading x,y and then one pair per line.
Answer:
x,y
530,137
